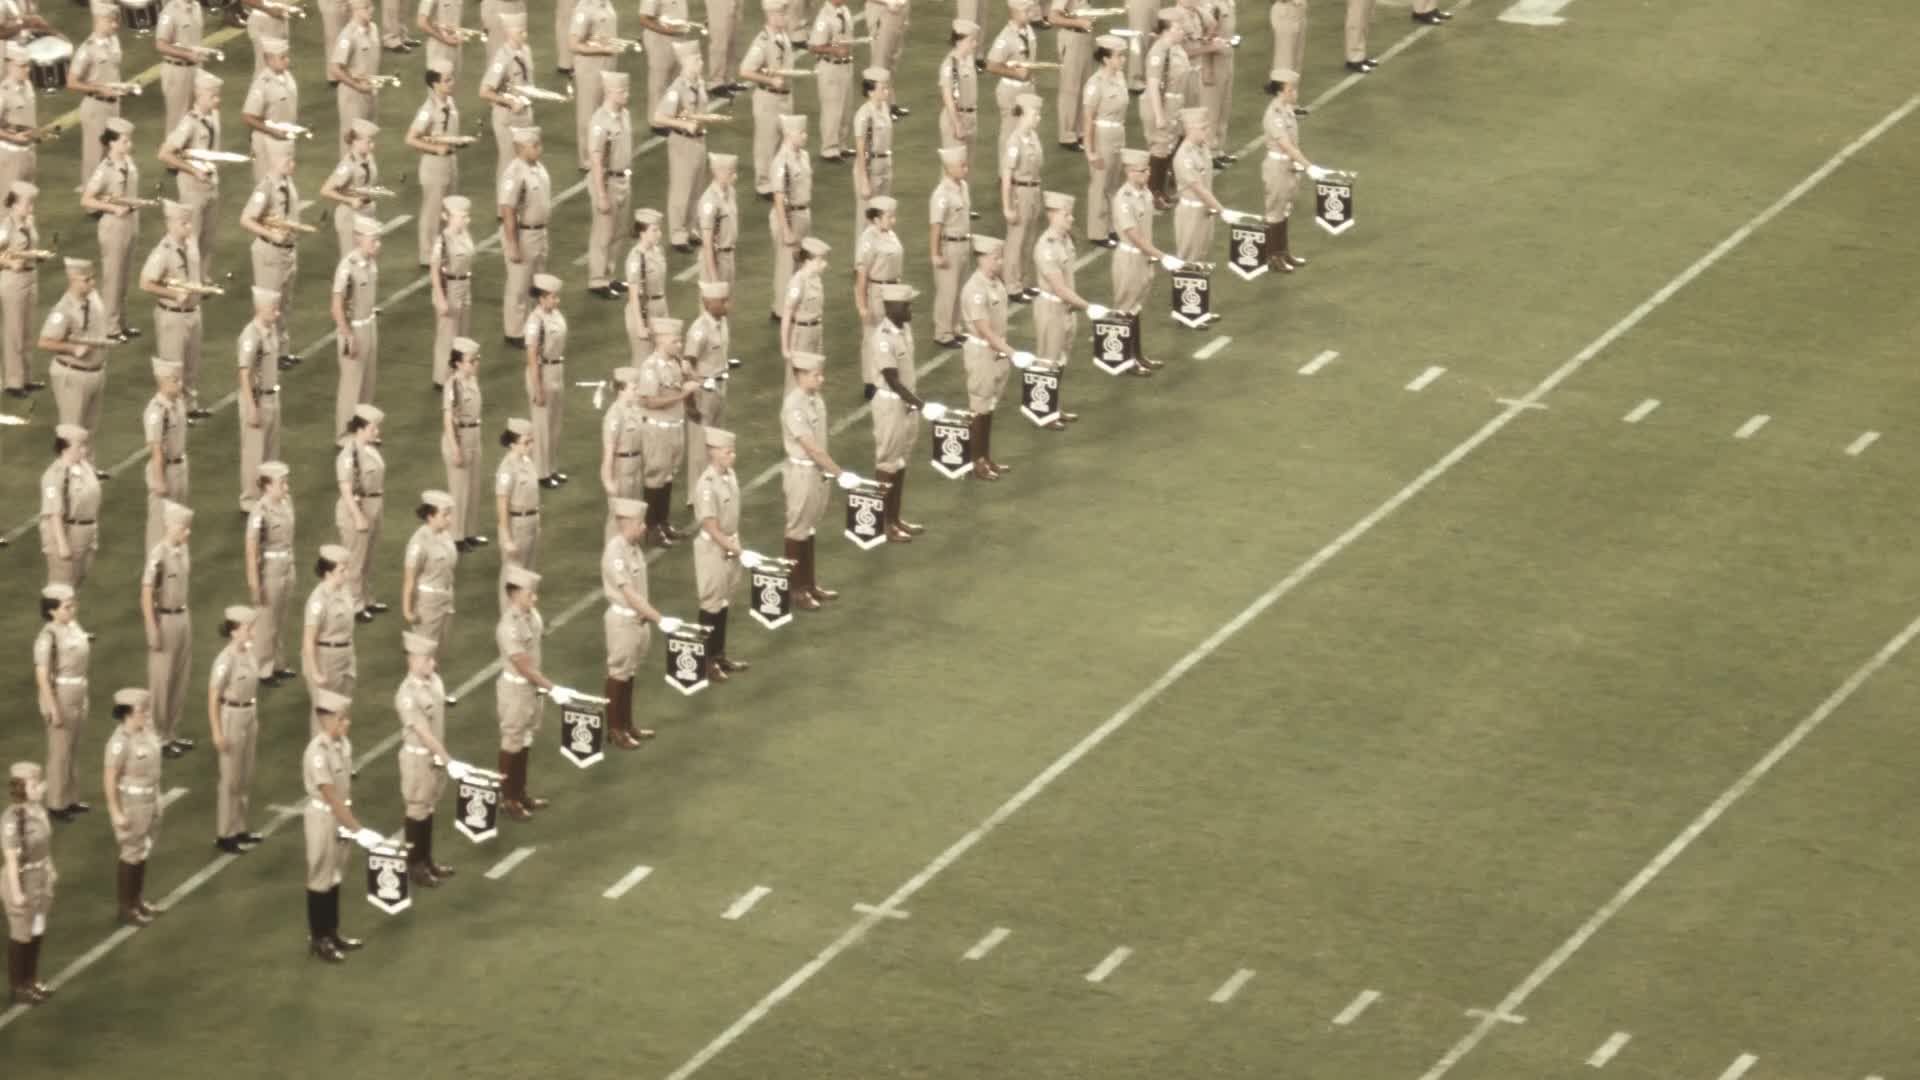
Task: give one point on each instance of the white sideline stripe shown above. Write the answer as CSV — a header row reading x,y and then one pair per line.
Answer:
x,y
396,224
172,796
986,944
1361,1002
744,903
1231,987
1286,585
1319,362
1753,425
505,866
1859,445
1108,966
1739,1067
1599,1058
1425,379
1642,411
1212,348
633,877
882,912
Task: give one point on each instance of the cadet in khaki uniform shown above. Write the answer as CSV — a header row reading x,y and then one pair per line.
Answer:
x,y
1168,71
26,881
1193,174
623,580
421,705
356,321
460,442
75,332
804,476
199,182
131,784
441,21
959,85
450,272
831,39
18,118
622,435
949,225
983,307
1073,48
256,356
717,219
70,508
646,283
1012,49
176,37
434,122
878,258
517,703
266,22
1133,259
889,368
500,18
326,637
326,769
681,106
872,143
273,98
1020,166
360,475
233,724
1280,170
770,53
589,36
525,201
1055,310
708,348
610,140
1103,131
275,249
353,65
805,303
108,195
19,286
164,578
62,652
1359,14
94,72
270,571
663,23
511,69
663,391
164,422
791,219
171,274
1288,20
1216,68
426,574
723,43
546,337
349,185
716,548
516,499
887,22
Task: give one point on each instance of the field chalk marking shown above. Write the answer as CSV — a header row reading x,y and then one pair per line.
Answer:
x,y
1361,1003
1752,427
986,944
626,883
1111,964
1318,362
1231,987
505,866
1859,445
1642,411
1425,379
744,903
1614,1044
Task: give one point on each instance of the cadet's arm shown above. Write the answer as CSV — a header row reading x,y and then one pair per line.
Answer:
x,y
342,813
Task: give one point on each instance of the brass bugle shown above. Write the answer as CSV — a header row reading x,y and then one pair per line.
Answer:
x,y
464,33
378,81
272,222
285,11
131,202
1036,65
207,52
708,118
124,88
535,93
375,192
789,73
1095,13
453,140
290,130
36,254
686,24
626,44
214,157
194,287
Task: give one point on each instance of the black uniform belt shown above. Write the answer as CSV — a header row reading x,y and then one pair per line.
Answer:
x,y
371,495
523,513
628,453
1070,29
957,108
182,63
466,423
532,228
178,310
722,251
174,461
268,392
957,239
278,244
765,90
553,363
66,363
79,521
879,153
802,206
171,610
806,322
104,97
247,704
831,60
333,644
455,277
883,281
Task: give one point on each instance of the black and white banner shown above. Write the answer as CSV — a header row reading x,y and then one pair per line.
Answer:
x,y
1040,394
387,885
952,444
476,808
687,660
772,592
1116,345
583,730
866,518
1333,204
1192,296
1247,250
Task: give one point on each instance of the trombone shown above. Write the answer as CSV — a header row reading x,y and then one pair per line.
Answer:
x,y
215,157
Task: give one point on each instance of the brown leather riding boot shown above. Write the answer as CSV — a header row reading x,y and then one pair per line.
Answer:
x,y
440,870
532,801
139,891
511,803
899,505
819,591
800,584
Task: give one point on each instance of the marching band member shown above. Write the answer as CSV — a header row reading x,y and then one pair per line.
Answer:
x,y
440,21
983,306
878,258
622,443
269,215
421,704
199,181
518,636
545,333
360,475
450,272
791,219
1133,259
327,656
109,195
70,508
62,652
353,62
510,69
173,275
270,573
1014,48
1279,173
233,725
803,434
1168,69
681,106
164,577
717,219
889,368
1054,309
663,391
623,580
516,500
663,23
646,282
1020,167
716,548
435,122
1193,173
258,391
708,346
611,143
266,19
356,322
769,54
872,142
805,304
19,118
831,39
74,331
326,769
525,203
1103,134
176,37
887,23
131,784
460,442
959,85
272,103
164,423
27,880
591,33
95,75
949,213
349,187
19,287
426,571
1073,45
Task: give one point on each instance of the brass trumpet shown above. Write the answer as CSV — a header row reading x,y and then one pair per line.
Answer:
x,y
626,44
376,82
708,118
131,202
215,157
194,287
466,34
1036,65
29,254
123,88
207,52
789,73
375,192
535,93
687,25
272,222
95,343
452,140
290,130
284,11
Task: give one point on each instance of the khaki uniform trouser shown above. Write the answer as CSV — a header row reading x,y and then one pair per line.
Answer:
x,y
661,452
76,393
326,852
177,490
686,178
603,238
242,730
274,267
176,337
1218,98
168,672
1289,24
960,132
526,537
723,40
353,105
1005,93
116,234
490,12
519,711
1108,139
360,545
439,177
1075,52
835,82
205,202
83,543
968,10
588,93
276,588
549,419
986,377
94,115
629,482
504,121
63,776
946,289
713,413
801,223
1161,140
1019,247
805,339
660,66
880,179
1132,275
439,52
768,108
420,782
1053,327
143,824
723,266
258,444
454,324
1141,15
889,29
1280,181
715,576
176,86
895,430
466,482
333,17
435,612
19,294
515,303
806,492
15,164
1192,231
1359,13
36,904
357,370
339,666
627,637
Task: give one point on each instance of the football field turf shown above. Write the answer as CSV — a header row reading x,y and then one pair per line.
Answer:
x,y
1492,662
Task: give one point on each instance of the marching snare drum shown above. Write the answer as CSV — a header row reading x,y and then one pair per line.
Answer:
x,y
139,16
49,57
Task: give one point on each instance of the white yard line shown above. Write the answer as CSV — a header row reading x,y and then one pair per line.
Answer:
x,y
1111,964
882,912
1859,445
505,866
632,877
745,901
1642,411
395,225
172,796
1318,362
1361,1003
1739,1067
1231,987
1426,378
987,944
1614,1044
1752,427
1061,765
1212,348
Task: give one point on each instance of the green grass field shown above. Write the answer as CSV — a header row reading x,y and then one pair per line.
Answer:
x,y
1499,698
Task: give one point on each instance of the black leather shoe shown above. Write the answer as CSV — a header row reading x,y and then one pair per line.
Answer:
x,y
763,196
549,483
231,845
900,112
102,474
132,331
478,541
617,287
363,615
78,808
516,342
602,292
1077,146
323,949
378,608
170,750
288,363
251,839
683,248
346,944
1432,18
1361,67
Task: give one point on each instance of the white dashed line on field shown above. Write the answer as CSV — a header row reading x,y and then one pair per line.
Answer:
x,y
986,944
396,224
882,912
1615,1042
1358,1005
1739,1067
745,902
505,866
1426,378
626,883
1642,411
1859,445
1111,964
1212,348
1231,987
172,796
1753,425
1319,362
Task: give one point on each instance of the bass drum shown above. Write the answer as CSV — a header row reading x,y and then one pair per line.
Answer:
x,y
139,16
49,58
